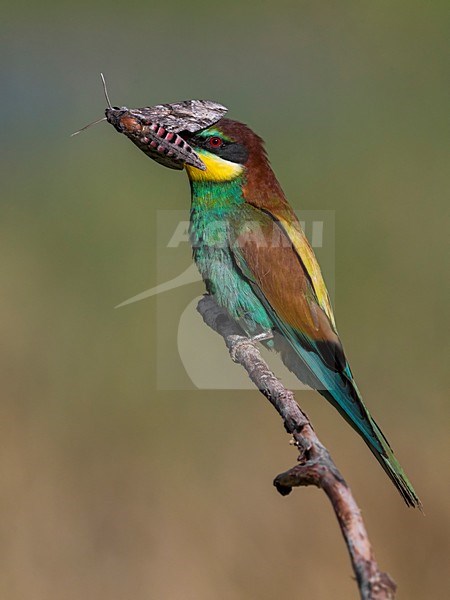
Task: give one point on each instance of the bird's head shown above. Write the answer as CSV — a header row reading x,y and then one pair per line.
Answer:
x,y
228,150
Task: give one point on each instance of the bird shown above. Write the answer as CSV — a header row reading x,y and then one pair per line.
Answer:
x,y
257,263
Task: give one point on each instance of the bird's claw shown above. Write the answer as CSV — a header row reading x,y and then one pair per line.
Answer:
x,y
262,337
251,341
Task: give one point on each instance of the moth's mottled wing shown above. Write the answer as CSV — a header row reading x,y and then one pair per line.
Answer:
x,y
188,115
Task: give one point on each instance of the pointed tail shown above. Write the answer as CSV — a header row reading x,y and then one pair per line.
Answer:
x,y
346,401
340,389
394,470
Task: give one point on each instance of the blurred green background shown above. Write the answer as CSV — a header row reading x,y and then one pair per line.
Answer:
x,y
113,489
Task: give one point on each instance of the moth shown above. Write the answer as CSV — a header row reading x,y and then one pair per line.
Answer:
x,y
156,129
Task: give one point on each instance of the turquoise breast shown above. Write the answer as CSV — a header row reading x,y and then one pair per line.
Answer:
x,y
213,207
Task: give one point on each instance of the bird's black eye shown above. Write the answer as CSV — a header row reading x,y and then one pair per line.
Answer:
x,y
215,142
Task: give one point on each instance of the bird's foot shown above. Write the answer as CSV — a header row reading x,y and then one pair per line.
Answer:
x,y
262,337
241,341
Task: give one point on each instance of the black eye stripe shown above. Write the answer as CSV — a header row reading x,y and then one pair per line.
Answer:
x,y
202,142
232,151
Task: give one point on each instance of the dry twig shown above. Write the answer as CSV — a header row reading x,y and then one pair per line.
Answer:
x,y
315,465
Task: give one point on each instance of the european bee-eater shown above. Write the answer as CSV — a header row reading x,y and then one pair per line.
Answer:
x,y
254,257
256,261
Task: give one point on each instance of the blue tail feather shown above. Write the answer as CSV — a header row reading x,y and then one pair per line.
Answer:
x,y
340,389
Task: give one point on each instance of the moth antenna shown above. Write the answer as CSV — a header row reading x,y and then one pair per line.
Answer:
x,y
105,90
89,125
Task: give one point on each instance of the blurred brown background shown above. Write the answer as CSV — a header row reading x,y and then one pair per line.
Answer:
x,y
113,489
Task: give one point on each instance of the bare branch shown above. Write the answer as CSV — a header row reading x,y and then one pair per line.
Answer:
x,y
315,465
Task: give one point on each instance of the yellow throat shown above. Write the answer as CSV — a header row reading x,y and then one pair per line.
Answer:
x,y
217,169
